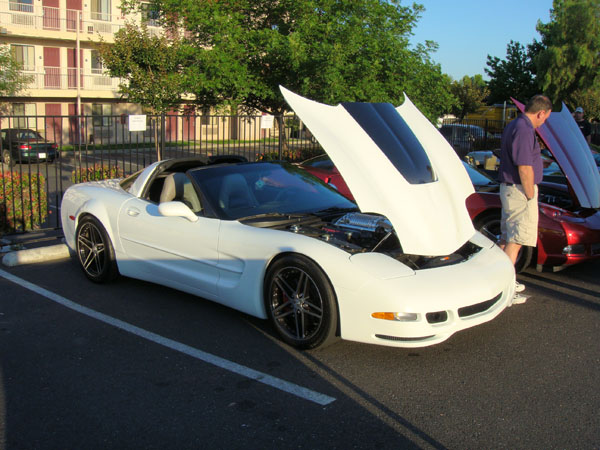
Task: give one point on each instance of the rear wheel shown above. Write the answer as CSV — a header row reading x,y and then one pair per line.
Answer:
x,y
95,251
489,226
300,302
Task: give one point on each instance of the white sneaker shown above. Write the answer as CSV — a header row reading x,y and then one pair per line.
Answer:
x,y
519,287
519,299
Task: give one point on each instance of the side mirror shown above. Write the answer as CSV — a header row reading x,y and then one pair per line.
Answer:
x,y
176,209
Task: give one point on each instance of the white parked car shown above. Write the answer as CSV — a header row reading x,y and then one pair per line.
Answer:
x,y
402,267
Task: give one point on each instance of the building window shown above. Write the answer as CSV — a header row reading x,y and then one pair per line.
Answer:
x,y
101,114
24,55
24,115
150,15
100,10
21,5
97,67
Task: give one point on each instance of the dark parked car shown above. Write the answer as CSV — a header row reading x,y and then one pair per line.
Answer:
x,y
20,145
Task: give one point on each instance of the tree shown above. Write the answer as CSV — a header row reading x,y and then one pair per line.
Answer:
x,y
12,79
513,76
569,63
470,93
589,100
148,65
150,68
238,52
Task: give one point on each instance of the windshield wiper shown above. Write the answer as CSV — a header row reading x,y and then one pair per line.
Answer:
x,y
273,215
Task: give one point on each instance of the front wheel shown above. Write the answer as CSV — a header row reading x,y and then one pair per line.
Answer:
x,y
300,302
95,251
489,226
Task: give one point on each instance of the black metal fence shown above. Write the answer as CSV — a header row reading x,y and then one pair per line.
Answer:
x,y
34,174
472,134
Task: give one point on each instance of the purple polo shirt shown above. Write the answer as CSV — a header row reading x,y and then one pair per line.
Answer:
x,y
519,147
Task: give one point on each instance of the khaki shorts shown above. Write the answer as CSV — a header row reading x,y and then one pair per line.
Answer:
x,y
519,216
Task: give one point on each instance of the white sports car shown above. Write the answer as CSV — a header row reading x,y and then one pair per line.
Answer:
x,y
402,267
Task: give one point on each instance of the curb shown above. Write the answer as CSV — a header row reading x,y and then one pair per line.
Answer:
x,y
35,255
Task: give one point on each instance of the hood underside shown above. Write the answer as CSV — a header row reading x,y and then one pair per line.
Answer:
x,y
397,164
565,141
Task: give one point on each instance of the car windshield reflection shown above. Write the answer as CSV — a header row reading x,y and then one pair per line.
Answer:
x,y
238,191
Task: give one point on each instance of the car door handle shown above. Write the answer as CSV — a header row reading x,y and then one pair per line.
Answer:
x,y
133,212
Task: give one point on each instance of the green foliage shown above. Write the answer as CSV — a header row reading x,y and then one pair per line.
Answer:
x,y
239,52
95,173
513,76
589,100
149,66
12,79
569,63
23,201
292,155
470,93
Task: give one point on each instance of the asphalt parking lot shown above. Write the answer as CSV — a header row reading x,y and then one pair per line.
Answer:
x,y
134,365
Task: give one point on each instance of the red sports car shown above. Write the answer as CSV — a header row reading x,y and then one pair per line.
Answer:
x,y
569,219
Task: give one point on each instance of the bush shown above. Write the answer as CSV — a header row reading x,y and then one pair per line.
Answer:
x,y
96,173
23,201
293,155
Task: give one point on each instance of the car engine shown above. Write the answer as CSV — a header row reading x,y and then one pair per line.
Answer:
x,y
357,232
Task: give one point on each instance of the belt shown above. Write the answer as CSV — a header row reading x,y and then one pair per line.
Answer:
x,y
509,184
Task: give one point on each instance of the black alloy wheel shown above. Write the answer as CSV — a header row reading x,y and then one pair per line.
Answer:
x,y
489,226
95,251
300,302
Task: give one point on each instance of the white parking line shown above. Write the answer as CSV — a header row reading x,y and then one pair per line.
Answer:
x,y
244,371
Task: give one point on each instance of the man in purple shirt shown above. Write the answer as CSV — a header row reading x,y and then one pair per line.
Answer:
x,y
520,172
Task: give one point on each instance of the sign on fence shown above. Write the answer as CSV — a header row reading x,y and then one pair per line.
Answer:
x,y
137,122
266,122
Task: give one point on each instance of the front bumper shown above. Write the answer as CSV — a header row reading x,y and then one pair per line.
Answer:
x,y
444,300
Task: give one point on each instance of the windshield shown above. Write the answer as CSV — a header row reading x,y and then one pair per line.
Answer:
x,y
243,190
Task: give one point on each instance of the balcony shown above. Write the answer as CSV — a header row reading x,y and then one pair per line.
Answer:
x,y
50,79
34,20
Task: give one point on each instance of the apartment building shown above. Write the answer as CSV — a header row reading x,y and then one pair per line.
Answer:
x,y
46,37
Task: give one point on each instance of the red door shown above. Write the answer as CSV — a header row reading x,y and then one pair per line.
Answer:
x,y
72,68
171,134
53,125
51,67
73,12
51,14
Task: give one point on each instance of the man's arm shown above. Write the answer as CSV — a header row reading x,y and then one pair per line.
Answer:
x,y
526,176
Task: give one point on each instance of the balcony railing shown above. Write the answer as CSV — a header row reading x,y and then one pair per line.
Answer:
x,y
36,16
66,78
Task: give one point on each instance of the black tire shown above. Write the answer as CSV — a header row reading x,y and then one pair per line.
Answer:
x,y
300,302
489,226
7,158
95,252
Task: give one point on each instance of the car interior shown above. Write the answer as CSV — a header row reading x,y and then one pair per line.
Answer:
x,y
175,186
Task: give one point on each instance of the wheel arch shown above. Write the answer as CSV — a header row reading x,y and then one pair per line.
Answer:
x,y
96,209
281,255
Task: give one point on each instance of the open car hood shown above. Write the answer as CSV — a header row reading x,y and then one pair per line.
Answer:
x,y
396,163
565,141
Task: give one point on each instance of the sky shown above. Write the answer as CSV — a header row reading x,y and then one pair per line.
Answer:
x,y
469,30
